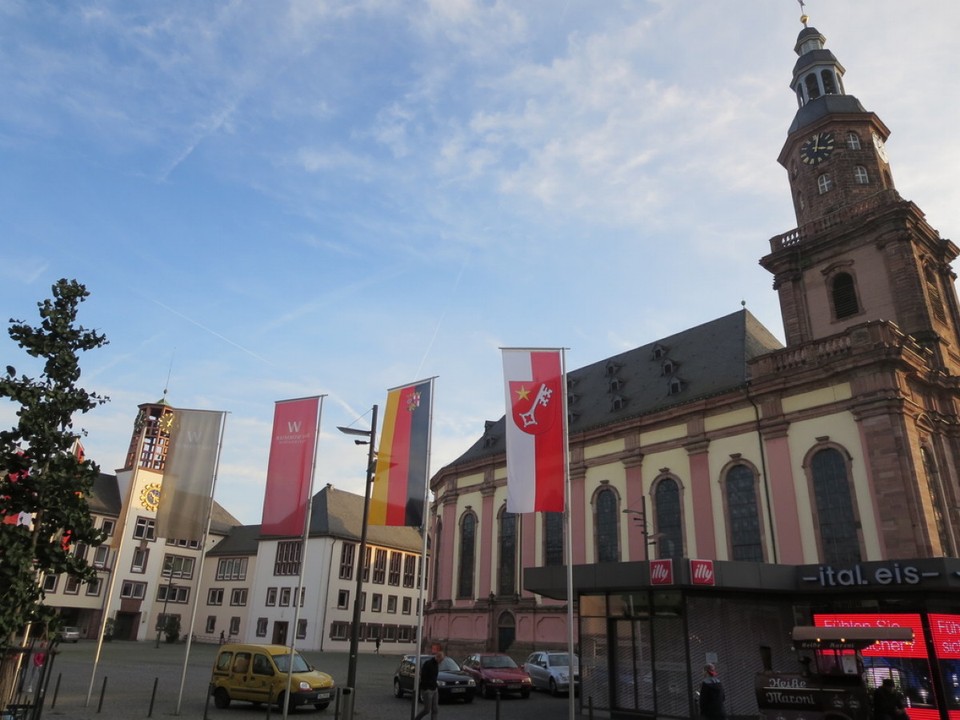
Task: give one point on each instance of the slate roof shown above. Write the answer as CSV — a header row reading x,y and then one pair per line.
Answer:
x,y
104,497
706,360
241,540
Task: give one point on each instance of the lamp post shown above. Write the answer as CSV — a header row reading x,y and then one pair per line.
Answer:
x,y
371,436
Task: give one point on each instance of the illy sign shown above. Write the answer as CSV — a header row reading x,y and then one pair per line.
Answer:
x,y
701,572
661,572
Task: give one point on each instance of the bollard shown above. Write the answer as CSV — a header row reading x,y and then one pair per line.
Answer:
x,y
346,703
590,705
498,704
56,691
153,697
103,691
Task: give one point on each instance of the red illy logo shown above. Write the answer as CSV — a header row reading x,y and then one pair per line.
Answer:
x,y
701,572
661,572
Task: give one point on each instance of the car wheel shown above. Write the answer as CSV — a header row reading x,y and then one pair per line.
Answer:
x,y
291,705
221,699
553,688
321,706
397,690
525,693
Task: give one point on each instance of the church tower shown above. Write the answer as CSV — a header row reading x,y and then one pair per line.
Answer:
x,y
860,252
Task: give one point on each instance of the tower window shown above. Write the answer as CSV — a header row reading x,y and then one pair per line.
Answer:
x,y
844,296
813,87
853,141
860,175
829,86
824,183
933,291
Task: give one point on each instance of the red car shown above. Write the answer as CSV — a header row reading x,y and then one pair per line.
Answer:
x,y
497,672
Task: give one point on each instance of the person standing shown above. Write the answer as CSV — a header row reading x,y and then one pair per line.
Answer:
x,y
887,702
428,686
711,694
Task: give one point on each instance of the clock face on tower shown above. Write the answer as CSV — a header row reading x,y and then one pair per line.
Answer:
x,y
817,149
150,496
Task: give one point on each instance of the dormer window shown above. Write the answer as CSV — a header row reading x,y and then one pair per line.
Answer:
x,y
619,403
668,367
615,385
824,183
659,351
612,369
853,141
676,385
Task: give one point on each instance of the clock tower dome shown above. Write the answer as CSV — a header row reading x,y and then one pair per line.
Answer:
x,y
860,252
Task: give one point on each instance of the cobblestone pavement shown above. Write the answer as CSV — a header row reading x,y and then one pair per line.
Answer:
x,y
138,680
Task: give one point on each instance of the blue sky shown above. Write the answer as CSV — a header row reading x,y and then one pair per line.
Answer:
x,y
284,198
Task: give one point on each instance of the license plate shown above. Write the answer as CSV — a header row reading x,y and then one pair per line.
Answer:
x,y
323,696
455,690
513,687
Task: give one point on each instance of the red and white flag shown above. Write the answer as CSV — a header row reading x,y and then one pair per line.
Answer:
x,y
290,467
536,427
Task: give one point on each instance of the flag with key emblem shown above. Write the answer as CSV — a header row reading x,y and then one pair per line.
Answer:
x,y
536,429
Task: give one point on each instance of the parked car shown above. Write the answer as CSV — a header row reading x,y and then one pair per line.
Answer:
x,y
452,682
551,671
69,633
497,672
258,674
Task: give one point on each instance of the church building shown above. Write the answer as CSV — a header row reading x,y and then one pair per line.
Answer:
x,y
726,488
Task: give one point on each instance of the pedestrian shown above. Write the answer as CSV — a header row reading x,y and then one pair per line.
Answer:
x,y
888,702
378,645
711,694
222,638
428,686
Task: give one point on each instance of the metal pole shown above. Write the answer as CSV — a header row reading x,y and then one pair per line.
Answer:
x,y
355,628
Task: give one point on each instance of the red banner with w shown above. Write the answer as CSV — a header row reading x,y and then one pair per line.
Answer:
x,y
290,468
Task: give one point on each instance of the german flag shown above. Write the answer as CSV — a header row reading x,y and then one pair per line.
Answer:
x,y
400,482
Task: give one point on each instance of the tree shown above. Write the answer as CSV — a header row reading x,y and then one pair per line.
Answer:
x,y
41,475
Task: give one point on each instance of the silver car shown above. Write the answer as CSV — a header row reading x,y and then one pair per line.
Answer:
x,y
551,671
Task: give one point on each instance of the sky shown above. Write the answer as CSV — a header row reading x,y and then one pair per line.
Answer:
x,y
282,198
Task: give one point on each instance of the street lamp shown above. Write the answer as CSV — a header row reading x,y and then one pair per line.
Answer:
x,y
371,440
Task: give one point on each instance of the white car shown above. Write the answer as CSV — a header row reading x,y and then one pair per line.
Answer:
x,y
551,671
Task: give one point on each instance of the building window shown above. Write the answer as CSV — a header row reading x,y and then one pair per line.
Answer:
x,y
235,625
261,627
133,590
468,528
406,606
145,529
380,566
935,492
139,563
173,593
232,569
835,513
743,514
409,570
284,597
933,292
860,175
607,526
215,596
552,538
376,603
100,556
844,295
50,583
211,626
93,587
339,630
396,562
108,526
288,558
301,629
80,551
507,553
392,604
343,599
271,596
824,183
178,566
853,141
347,551
366,563
192,544
363,602
666,498
829,84
238,596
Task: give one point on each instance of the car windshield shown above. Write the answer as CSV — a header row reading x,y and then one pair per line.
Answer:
x,y
559,659
283,663
497,661
449,665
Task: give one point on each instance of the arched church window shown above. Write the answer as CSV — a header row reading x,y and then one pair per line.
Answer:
x,y
666,498
553,538
837,521
743,514
829,85
468,533
936,499
824,183
605,517
845,301
860,175
813,87
853,141
507,554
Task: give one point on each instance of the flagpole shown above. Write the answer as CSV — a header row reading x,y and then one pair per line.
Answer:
x,y
203,554
114,570
572,662
424,526
303,560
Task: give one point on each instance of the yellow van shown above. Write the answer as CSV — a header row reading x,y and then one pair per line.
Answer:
x,y
258,674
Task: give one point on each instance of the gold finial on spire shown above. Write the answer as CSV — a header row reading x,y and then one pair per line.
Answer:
x,y
803,15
